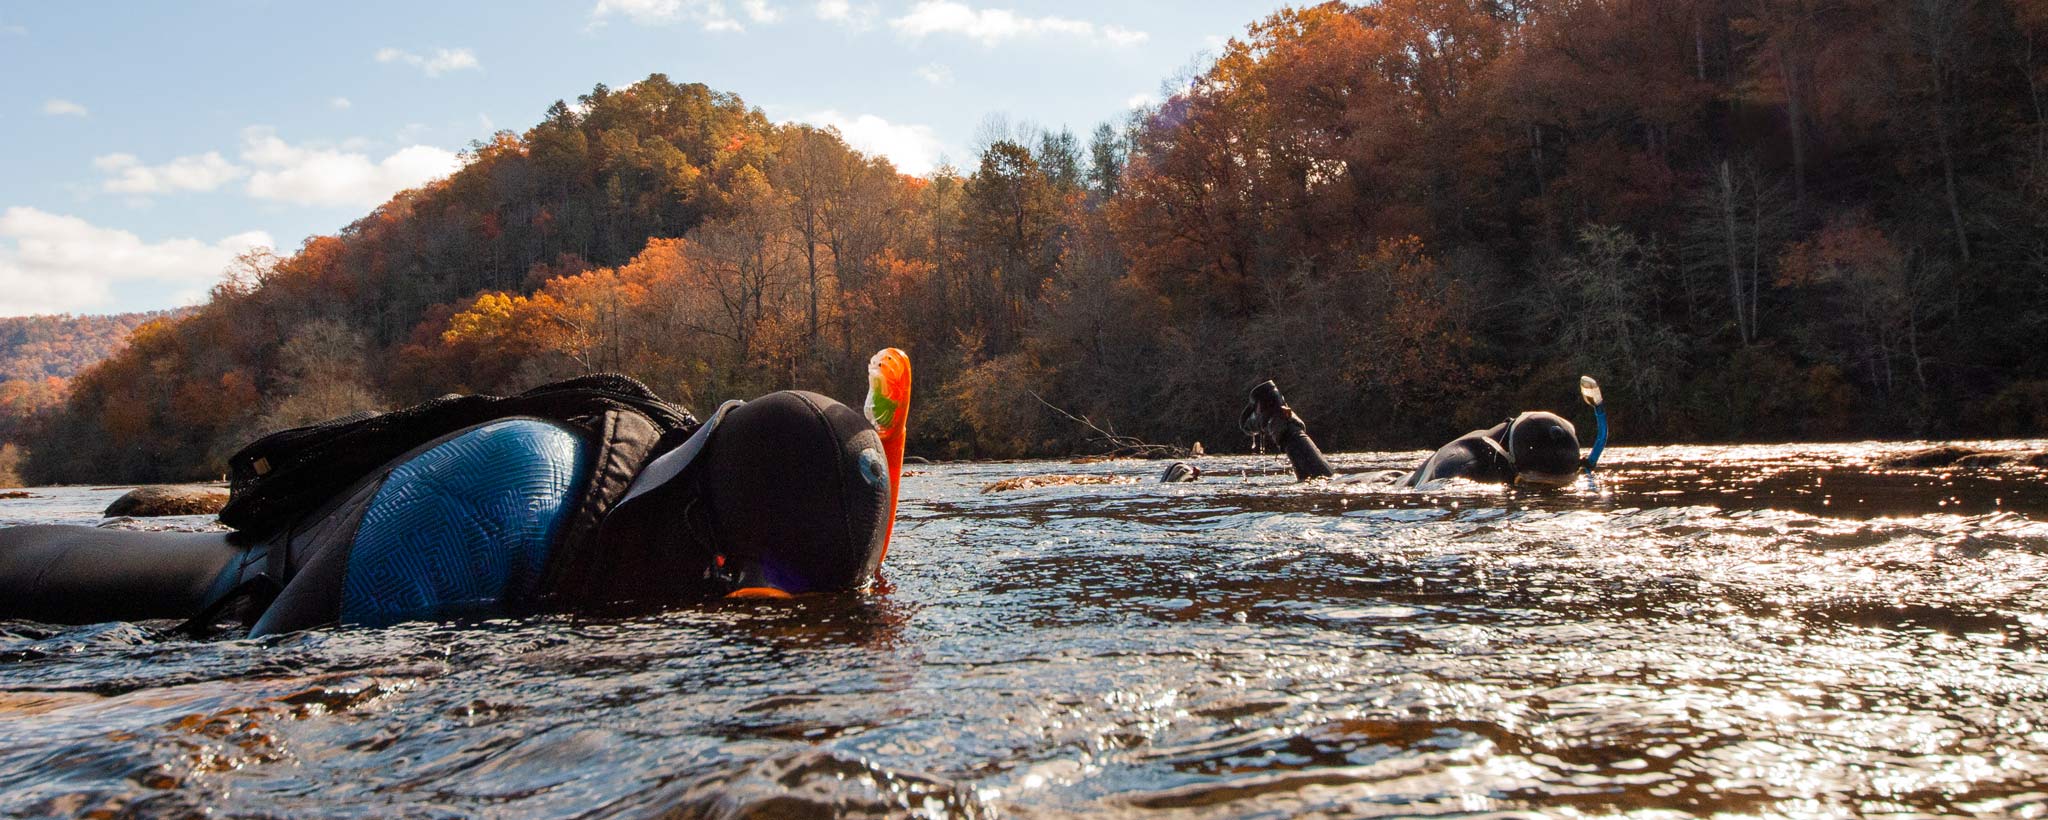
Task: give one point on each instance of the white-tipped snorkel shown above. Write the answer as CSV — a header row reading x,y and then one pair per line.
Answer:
x,y
1590,391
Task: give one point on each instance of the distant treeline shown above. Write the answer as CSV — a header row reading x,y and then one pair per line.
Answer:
x,y
39,353
1750,220
39,347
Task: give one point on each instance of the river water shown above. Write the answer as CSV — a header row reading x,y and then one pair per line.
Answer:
x,y
1768,630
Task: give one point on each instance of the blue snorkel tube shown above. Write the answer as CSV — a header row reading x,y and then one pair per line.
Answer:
x,y
1590,391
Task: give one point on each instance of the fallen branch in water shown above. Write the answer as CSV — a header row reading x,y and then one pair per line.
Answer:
x,y
1120,446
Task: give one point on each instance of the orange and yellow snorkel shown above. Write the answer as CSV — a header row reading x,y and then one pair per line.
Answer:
x,y
888,407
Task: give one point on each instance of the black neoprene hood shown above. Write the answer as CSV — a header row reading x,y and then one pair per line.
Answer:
x,y
1543,443
798,485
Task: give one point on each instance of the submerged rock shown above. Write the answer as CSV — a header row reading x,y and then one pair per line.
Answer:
x,y
1943,456
1026,482
144,502
1950,455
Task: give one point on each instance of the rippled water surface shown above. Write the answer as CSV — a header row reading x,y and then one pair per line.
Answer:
x,y
1781,630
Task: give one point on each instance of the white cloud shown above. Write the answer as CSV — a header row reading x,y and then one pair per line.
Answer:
x,y
315,175
340,104
936,74
845,13
1124,38
63,108
993,26
10,28
303,174
443,60
915,149
710,14
1142,101
644,12
50,263
203,172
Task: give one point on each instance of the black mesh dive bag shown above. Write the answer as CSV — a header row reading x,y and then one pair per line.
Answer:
x,y
282,476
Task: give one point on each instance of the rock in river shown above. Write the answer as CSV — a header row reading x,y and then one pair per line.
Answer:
x,y
144,502
1949,455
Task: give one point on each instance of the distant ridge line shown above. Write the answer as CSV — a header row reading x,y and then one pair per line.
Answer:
x,y
61,345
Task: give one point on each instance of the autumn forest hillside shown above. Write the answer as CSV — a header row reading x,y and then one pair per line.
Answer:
x,y
39,354
1751,219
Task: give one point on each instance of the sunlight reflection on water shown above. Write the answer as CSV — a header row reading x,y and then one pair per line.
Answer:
x,y
1782,630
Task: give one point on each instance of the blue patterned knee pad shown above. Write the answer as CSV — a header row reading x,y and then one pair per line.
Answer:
x,y
465,527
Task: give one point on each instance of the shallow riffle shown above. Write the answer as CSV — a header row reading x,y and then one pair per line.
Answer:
x,y
1775,630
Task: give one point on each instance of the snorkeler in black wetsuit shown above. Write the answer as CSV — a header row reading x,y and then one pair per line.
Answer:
x,y
1270,423
596,494
1535,448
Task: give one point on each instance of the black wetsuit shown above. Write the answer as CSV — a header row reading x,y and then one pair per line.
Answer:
x,y
473,524
1475,456
1536,446
1268,418
69,574
786,493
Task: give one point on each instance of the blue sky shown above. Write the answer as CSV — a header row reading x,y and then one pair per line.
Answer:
x,y
142,145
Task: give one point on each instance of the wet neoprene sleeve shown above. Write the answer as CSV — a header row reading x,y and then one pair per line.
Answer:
x,y
1476,456
1302,451
72,574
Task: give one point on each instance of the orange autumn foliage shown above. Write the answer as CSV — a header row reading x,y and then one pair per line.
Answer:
x,y
1751,220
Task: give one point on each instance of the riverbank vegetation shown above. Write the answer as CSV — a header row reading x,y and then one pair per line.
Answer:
x,y
1769,220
